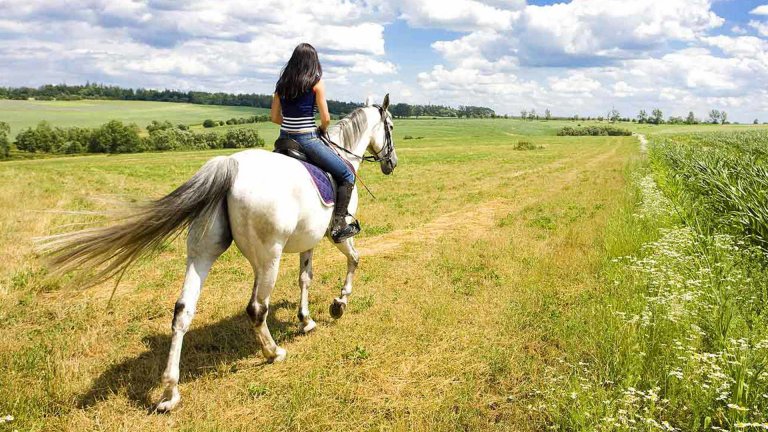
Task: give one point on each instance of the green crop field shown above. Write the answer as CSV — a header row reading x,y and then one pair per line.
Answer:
x,y
93,113
499,289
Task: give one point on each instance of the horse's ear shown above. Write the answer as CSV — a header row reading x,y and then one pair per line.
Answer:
x,y
369,101
385,105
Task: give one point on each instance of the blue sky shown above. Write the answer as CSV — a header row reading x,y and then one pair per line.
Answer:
x,y
579,56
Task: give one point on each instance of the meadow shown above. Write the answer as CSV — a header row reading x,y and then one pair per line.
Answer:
x,y
496,292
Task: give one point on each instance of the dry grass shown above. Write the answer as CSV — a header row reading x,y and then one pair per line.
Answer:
x,y
474,260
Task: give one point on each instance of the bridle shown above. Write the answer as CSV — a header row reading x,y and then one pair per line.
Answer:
x,y
386,152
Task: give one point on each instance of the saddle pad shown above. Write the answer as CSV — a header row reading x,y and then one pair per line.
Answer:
x,y
325,188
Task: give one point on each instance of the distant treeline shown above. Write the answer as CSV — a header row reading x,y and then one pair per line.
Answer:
x,y
117,137
100,91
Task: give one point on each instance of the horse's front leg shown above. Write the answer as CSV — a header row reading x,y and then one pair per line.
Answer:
x,y
305,279
339,304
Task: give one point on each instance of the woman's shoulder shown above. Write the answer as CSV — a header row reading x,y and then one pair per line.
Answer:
x,y
320,85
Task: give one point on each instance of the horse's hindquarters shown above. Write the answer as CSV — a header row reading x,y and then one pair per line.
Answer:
x,y
273,202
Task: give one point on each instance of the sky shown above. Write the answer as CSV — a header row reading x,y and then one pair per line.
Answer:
x,y
573,57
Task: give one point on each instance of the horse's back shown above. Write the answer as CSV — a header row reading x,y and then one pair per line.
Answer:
x,y
273,200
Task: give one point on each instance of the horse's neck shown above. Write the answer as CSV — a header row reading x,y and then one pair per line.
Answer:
x,y
358,148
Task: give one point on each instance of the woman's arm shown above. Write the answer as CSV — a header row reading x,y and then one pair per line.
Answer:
x,y
277,110
322,105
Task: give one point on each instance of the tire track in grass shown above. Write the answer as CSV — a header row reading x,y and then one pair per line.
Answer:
x,y
474,217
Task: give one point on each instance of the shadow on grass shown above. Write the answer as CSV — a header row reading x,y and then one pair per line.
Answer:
x,y
208,350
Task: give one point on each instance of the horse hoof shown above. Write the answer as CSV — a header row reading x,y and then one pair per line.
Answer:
x,y
280,355
309,326
167,406
337,308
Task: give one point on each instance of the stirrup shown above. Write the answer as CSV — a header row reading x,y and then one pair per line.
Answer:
x,y
355,230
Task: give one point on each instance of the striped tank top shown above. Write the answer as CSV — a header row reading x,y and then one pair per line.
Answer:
x,y
299,113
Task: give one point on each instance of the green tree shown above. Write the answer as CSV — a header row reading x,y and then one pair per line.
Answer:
x,y
5,142
614,115
714,116
657,117
116,137
242,138
208,123
547,114
691,119
642,117
723,117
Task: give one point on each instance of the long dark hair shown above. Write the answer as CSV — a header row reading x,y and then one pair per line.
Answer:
x,y
300,74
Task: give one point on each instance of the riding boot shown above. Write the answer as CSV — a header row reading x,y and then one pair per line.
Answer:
x,y
341,230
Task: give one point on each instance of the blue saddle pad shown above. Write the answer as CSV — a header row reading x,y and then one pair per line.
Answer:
x,y
322,182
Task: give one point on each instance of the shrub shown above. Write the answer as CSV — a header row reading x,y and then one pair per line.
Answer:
x,y
594,131
526,145
116,137
5,143
242,138
208,123
42,139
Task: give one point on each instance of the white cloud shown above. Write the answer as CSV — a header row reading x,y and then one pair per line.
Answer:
x,y
460,15
202,44
760,27
760,10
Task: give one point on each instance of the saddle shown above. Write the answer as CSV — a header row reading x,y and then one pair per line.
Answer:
x,y
324,183
290,148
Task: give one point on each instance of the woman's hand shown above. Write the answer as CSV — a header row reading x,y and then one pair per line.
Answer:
x,y
322,105
277,111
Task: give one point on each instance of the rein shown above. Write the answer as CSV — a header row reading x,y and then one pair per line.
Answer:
x,y
388,148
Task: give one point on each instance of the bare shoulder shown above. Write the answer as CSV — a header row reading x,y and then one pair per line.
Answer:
x,y
319,86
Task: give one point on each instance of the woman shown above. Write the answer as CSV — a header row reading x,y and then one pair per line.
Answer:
x,y
299,91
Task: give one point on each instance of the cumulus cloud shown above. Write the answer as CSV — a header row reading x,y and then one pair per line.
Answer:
x,y
201,44
760,10
587,55
760,27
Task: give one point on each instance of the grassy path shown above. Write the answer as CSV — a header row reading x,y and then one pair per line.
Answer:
x,y
468,277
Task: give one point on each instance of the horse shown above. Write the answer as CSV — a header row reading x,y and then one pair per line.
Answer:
x,y
263,201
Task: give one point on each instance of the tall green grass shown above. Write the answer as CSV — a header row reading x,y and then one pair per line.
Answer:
x,y
679,338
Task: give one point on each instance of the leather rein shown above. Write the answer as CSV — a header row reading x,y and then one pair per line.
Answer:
x,y
385,154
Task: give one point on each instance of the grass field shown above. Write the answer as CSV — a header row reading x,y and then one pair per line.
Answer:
x,y
481,269
93,113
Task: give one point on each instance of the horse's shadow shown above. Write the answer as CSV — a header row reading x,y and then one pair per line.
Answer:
x,y
208,349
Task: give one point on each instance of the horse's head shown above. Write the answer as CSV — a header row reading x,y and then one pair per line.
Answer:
x,y
382,145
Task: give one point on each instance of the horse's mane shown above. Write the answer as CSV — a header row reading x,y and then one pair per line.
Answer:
x,y
351,127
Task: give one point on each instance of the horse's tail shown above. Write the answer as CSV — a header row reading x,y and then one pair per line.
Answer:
x,y
110,250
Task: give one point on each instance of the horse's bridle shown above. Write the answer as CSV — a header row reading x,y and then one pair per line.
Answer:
x,y
386,152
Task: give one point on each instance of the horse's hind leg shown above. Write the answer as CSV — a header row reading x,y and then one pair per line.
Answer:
x,y
305,278
347,247
258,307
204,246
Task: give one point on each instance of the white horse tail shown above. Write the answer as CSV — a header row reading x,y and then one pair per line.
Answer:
x,y
110,250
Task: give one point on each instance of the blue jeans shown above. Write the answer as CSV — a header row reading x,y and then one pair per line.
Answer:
x,y
321,155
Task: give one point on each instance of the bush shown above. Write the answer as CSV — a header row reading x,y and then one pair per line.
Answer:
x,y
594,131
5,143
526,145
208,123
116,137
43,138
242,138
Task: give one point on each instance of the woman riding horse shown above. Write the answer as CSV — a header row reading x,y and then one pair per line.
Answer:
x,y
298,93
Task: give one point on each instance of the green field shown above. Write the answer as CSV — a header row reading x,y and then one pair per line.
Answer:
x,y
489,297
93,113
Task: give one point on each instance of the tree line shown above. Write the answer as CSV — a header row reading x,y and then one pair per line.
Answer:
x,y
118,137
100,91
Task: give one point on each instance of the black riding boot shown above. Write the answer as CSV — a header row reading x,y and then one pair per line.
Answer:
x,y
341,230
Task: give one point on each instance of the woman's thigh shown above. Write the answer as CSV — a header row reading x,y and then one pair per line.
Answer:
x,y
325,158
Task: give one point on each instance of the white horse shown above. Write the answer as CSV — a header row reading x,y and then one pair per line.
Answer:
x,y
264,201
